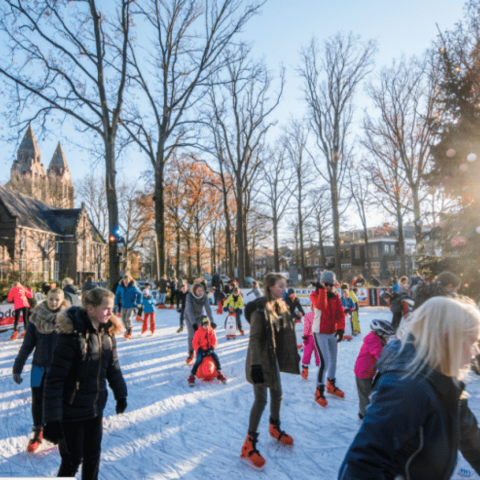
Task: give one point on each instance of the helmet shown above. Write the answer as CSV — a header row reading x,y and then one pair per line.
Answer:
x,y
382,328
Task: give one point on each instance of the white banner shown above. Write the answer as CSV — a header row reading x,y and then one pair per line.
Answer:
x,y
7,316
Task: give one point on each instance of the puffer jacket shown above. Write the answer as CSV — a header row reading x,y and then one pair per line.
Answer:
x,y
294,305
366,364
414,426
127,297
19,296
40,336
234,302
267,347
307,323
194,308
332,317
83,361
348,304
319,303
204,339
148,304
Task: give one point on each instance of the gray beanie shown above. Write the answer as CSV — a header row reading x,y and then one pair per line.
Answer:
x,y
328,277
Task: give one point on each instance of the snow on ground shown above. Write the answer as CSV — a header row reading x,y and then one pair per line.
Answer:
x,y
173,431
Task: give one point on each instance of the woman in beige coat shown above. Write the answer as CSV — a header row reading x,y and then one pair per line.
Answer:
x,y
272,349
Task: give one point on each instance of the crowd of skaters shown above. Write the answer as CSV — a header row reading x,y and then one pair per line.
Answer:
x,y
409,374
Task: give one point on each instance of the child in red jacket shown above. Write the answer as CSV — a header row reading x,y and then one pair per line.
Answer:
x,y
204,343
366,364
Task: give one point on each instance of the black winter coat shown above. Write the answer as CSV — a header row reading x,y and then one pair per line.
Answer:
x,y
414,426
83,360
294,305
181,299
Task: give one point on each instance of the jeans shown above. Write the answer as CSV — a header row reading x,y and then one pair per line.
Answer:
x,y
161,298
182,317
200,355
238,315
127,318
24,312
81,443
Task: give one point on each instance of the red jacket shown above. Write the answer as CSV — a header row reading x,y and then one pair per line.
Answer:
x,y
204,339
332,316
19,296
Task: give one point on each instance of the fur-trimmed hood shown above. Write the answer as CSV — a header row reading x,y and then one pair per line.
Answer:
x,y
44,319
76,320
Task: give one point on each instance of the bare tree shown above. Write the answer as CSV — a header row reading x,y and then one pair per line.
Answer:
x,y
405,98
182,59
330,84
322,216
240,108
70,59
276,192
91,191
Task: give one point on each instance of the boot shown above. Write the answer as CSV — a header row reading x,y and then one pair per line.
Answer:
x,y
189,359
23,333
242,333
191,380
277,434
144,327
128,334
152,327
320,396
221,377
35,442
332,389
14,335
180,330
305,372
250,454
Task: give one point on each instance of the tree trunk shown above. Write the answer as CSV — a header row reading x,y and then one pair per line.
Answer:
x,y
199,256
336,230
248,269
177,253
300,234
401,241
323,260
417,217
110,184
367,251
189,258
159,212
276,256
240,234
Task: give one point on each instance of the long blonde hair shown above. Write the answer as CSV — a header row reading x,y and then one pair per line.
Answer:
x,y
440,329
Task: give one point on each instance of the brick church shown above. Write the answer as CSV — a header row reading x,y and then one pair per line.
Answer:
x,y
42,235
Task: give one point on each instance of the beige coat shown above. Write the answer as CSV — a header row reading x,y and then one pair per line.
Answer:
x,y
264,346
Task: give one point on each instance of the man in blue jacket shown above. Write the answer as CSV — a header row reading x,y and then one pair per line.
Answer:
x,y
128,296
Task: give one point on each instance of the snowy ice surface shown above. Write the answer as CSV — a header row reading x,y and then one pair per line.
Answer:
x,y
173,431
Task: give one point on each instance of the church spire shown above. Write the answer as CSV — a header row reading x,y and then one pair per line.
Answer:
x,y
29,145
58,160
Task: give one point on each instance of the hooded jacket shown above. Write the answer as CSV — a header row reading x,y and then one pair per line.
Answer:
x,y
294,305
413,426
234,302
19,296
204,339
148,303
194,308
83,361
40,336
128,297
366,364
329,314
268,347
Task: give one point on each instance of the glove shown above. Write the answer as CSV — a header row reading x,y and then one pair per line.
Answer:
x,y
339,335
195,327
121,406
17,378
305,340
53,432
213,325
209,351
257,374
317,285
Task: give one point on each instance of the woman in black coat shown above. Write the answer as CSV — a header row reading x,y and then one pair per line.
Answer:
x,y
75,393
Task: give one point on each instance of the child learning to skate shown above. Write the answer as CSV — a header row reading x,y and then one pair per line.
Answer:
x,y
235,302
148,305
42,338
204,343
348,308
365,366
309,344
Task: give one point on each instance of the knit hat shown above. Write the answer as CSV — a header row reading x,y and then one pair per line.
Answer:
x,y
205,321
328,277
291,291
146,291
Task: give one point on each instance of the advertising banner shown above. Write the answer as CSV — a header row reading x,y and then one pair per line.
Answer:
x,y
6,316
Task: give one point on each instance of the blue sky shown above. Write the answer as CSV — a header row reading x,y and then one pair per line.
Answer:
x,y
406,27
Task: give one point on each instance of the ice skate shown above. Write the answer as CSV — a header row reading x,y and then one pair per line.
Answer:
x,y
320,396
333,390
277,434
304,373
35,442
250,455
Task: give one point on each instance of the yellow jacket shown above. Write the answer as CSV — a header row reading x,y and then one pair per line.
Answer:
x,y
234,303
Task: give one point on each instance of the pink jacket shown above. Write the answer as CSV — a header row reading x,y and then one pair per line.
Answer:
x,y
19,295
307,323
366,364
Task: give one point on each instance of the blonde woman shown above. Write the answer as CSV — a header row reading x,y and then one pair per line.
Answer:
x,y
418,417
272,349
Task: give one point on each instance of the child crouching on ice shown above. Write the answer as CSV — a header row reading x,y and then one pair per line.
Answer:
x,y
366,364
148,304
309,344
205,342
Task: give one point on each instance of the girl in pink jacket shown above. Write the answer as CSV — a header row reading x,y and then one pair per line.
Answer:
x,y
366,364
309,344
19,295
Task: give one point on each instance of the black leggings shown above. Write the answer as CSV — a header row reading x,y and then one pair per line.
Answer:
x,y
81,444
37,406
24,312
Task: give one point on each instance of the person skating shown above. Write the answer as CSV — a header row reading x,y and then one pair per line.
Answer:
x,y
272,349
308,344
181,299
172,285
127,297
366,364
19,295
348,309
40,337
148,304
255,290
204,343
294,304
196,306
356,312
235,303
328,328
163,289
418,417
75,393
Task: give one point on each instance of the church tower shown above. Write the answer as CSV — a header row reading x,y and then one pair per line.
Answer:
x,y
60,181
29,158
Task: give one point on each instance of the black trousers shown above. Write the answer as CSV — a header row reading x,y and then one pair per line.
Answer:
x,y
82,443
37,406
24,312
